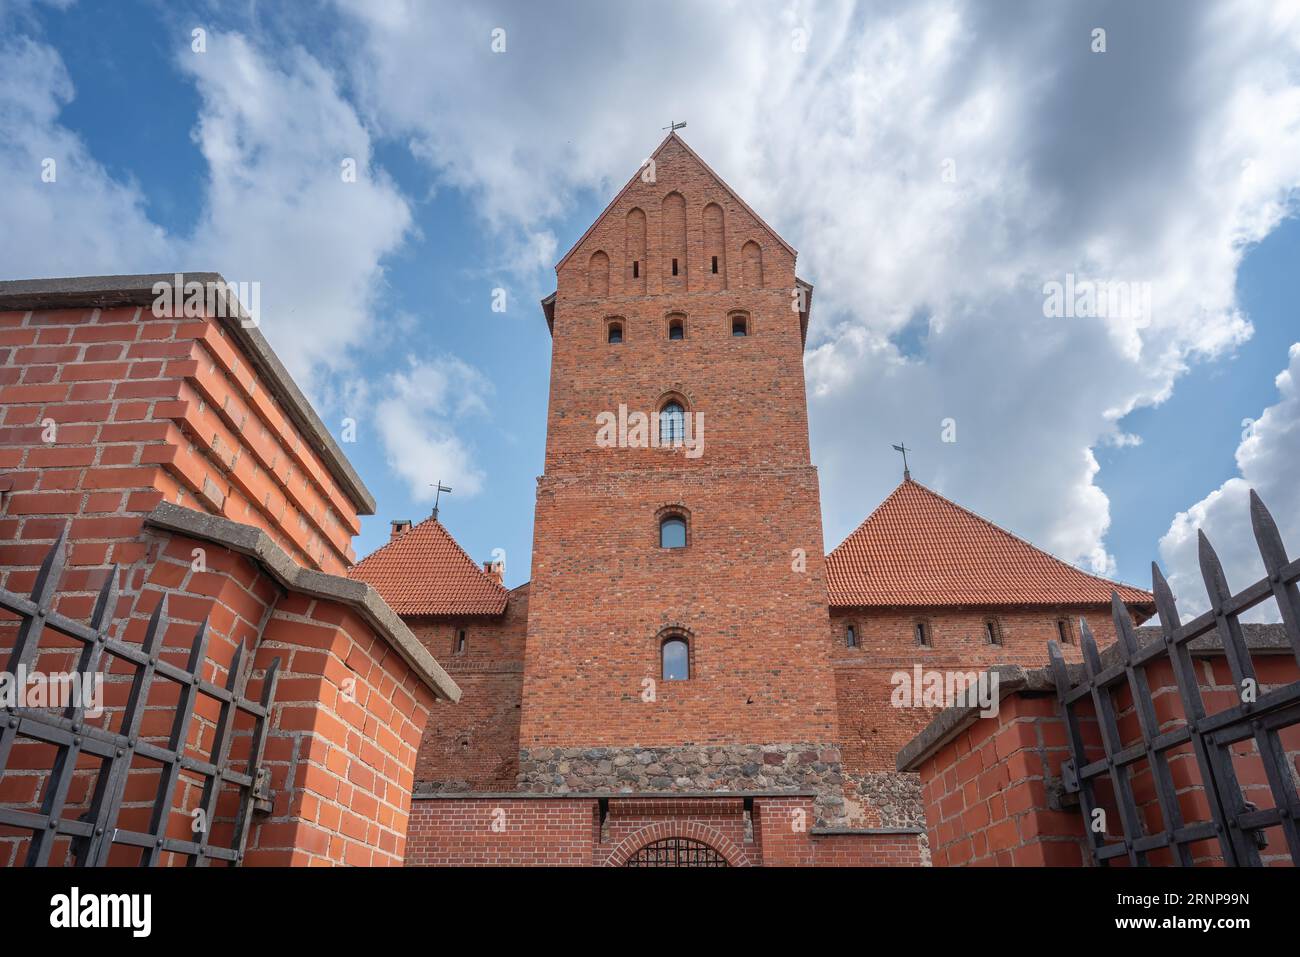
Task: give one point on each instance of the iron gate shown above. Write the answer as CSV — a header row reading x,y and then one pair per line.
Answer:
x,y
95,832
1259,716
676,852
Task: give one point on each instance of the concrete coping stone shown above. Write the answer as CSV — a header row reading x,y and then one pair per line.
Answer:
x,y
359,596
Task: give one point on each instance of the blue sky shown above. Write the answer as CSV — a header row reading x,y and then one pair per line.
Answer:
x,y
935,163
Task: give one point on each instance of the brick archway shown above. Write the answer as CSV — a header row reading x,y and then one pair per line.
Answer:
x,y
690,830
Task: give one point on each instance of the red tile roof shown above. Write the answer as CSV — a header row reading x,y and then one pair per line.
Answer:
x,y
918,548
425,572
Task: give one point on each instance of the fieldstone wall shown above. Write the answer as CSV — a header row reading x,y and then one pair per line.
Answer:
x,y
895,796
767,767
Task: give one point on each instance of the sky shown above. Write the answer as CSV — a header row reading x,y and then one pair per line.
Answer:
x,y
944,169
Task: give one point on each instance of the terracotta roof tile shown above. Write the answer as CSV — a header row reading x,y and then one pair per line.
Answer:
x,y
425,572
918,548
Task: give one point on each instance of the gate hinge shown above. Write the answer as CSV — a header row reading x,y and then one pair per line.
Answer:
x,y
263,796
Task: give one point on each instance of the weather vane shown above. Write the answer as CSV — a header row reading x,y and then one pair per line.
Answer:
x,y
904,449
673,126
438,488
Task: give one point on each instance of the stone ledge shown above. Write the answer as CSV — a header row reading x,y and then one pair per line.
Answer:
x,y
362,598
99,292
828,831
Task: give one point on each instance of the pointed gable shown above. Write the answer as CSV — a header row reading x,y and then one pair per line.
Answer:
x,y
425,572
670,151
920,549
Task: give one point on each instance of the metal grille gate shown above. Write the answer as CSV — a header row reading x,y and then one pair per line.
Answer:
x,y
1237,824
676,852
95,833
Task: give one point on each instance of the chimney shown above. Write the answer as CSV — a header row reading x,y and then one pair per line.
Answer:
x,y
400,527
496,569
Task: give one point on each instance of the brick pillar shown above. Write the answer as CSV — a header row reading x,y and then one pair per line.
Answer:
x,y
987,791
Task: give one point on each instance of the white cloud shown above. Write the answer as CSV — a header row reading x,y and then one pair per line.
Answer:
x,y
275,135
420,417
1268,460
82,222
1155,162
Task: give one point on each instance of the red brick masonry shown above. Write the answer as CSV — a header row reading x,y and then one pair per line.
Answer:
x,y
585,830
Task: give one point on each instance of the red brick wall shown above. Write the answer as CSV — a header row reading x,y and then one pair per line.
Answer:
x,y
461,832
992,793
873,729
146,409
345,724
602,590
473,744
516,831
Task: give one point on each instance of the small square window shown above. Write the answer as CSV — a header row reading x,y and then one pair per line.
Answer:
x,y
739,327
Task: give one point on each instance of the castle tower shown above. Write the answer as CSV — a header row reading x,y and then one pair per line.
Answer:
x,y
678,614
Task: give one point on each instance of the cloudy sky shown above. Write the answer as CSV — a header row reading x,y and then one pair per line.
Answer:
x,y
938,165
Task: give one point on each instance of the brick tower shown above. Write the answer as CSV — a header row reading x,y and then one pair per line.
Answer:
x,y
679,297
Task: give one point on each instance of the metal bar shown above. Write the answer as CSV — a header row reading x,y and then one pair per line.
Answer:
x,y
1087,796
1237,847
180,730
1273,552
235,679
256,746
1140,689
1111,741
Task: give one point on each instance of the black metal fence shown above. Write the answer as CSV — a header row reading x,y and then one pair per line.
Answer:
x,y
1237,824
113,753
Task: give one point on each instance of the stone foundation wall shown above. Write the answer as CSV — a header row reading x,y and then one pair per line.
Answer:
x,y
894,796
767,767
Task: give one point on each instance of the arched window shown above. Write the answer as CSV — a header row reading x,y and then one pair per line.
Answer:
x,y
676,327
675,655
739,324
672,423
672,531
614,333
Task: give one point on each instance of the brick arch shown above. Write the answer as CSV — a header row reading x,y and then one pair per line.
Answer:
x,y
693,830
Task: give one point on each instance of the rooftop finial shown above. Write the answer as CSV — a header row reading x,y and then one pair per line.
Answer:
x,y
904,449
438,488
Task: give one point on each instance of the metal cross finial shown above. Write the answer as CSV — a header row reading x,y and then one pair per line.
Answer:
x,y
904,449
673,126
438,488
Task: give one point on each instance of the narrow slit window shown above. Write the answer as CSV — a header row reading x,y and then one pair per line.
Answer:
x,y
851,637
923,634
1063,630
992,633
674,267
715,264
636,269
460,641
